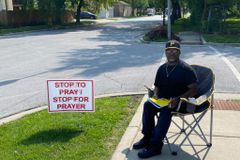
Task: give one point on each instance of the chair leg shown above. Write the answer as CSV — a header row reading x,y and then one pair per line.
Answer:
x,y
187,136
191,127
169,147
211,120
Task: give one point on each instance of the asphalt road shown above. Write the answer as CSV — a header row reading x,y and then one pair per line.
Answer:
x,y
109,54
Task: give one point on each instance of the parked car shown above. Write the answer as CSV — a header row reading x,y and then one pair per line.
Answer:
x,y
151,11
86,15
150,14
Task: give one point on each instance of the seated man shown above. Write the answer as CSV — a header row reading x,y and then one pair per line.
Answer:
x,y
175,79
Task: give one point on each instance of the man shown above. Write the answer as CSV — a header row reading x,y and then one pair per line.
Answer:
x,y
175,79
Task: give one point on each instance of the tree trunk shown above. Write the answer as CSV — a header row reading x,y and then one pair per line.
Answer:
x,y
174,12
178,10
133,8
203,16
164,13
79,7
183,11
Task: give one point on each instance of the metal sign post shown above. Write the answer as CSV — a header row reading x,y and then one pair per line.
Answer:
x,y
169,19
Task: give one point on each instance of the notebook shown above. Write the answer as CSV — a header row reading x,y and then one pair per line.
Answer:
x,y
159,103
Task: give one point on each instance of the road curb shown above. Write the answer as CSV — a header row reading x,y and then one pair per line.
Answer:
x,y
204,42
121,94
223,44
57,28
141,40
20,115
227,96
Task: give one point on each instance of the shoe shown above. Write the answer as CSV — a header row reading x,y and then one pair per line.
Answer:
x,y
141,144
147,153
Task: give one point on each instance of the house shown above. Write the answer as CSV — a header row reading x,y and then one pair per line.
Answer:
x,y
122,9
119,9
6,5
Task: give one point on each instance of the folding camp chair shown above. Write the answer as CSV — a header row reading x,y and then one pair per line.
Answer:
x,y
197,109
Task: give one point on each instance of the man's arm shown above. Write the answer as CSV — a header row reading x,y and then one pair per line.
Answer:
x,y
192,91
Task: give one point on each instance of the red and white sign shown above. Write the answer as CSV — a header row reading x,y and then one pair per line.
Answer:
x,y
70,96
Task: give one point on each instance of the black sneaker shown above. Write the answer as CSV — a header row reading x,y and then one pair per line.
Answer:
x,y
141,144
147,153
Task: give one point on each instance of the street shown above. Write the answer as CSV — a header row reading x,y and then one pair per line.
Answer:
x,y
110,54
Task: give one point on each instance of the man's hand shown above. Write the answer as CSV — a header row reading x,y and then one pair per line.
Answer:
x,y
150,92
155,91
173,103
155,96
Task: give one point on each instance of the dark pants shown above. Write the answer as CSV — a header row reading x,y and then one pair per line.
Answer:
x,y
157,132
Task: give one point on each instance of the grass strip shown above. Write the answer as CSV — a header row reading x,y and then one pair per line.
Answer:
x,y
4,30
219,38
65,136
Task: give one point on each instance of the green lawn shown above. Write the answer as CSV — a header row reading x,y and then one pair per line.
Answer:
x,y
69,136
220,38
231,32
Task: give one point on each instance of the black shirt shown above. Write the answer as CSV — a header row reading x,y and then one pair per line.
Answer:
x,y
173,81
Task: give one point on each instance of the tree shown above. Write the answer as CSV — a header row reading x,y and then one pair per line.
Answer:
x,y
29,5
160,6
141,5
196,8
52,9
234,10
185,7
176,11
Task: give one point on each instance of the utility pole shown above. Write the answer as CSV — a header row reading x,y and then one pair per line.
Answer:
x,y
169,19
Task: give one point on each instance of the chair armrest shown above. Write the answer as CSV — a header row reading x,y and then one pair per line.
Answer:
x,y
195,101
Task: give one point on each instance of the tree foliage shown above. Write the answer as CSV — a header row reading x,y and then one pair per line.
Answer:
x,y
53,9
198,9
29,4
234,11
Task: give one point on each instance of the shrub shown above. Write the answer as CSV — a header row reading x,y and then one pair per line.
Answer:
x,y
159,32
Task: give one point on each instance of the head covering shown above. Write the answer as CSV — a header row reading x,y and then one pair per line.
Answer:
x,y
172,44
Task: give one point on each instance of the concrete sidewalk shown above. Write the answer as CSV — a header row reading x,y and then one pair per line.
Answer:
x,y
190,38
226,138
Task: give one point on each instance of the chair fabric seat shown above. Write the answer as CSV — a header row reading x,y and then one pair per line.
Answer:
x,y
184,109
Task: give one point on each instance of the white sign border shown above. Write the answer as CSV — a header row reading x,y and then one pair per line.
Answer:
x,y
93,96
